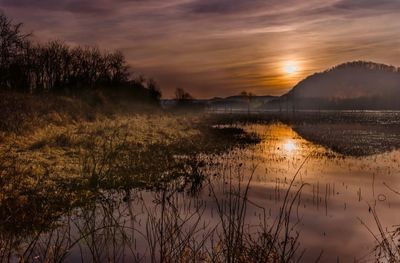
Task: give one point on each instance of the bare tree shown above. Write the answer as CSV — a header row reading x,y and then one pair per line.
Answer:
x,y
182,96
12,42
55,67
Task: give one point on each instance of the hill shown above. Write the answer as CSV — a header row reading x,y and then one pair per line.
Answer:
x,y
355,85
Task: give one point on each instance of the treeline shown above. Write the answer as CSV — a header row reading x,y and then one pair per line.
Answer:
x,y
366,65
55,67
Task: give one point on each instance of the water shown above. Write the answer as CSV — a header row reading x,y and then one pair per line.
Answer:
x,y
332,214
339,192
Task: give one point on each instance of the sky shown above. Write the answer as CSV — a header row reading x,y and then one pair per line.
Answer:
x,y
221,47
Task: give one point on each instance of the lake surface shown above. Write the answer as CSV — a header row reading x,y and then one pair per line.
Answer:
x,y
338,194
332,213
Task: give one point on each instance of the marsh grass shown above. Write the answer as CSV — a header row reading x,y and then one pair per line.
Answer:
x,y
52,171
176,230
46,217
58,182
386,238
108,229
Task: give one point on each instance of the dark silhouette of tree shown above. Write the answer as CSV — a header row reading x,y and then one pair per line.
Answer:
x,y
182,96
247,96
154,92
55,67
185,102
12,47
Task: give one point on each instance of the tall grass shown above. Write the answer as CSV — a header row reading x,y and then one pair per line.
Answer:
x,y
388,240
172,226
49,175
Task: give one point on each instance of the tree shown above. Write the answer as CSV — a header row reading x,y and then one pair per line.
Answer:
x,y
12,43
154,91
55,67
243,93
182,96
247,96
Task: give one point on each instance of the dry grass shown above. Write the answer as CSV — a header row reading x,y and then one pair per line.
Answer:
x,y
58,149
49,169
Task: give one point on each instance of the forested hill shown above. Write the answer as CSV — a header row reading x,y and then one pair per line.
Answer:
x,y
352,85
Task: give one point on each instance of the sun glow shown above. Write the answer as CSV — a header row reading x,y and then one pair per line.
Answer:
x,y
290,146
290,67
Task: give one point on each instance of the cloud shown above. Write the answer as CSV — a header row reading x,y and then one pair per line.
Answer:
x,y
73,6
223,6
357,5
220,47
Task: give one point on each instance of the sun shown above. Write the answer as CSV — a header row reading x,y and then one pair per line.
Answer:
x,y
290,146
290,67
